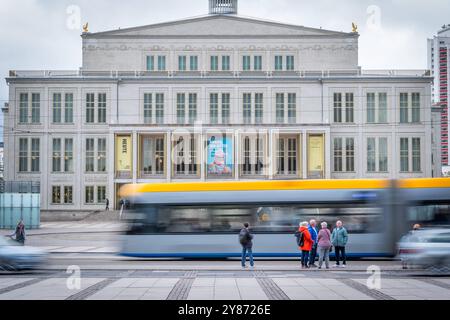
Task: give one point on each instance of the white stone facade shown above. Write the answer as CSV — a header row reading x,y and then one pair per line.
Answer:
x,y
318,116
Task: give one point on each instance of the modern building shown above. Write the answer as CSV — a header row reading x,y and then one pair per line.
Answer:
x,y
439,64
215,97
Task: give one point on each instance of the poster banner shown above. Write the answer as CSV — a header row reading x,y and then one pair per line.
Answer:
x,y
220,155
316,154
123,153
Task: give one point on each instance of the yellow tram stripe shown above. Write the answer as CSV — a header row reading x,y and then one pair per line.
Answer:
x,y
424,183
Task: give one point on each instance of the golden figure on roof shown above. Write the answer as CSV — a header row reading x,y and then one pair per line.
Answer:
x,y
86,27
354,27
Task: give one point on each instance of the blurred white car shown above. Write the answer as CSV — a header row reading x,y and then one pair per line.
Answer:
x,y
16,257
426,248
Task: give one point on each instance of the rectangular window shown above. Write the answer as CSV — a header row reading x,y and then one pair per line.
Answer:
x,y
403,108
161,63
337,107
101,108
371,107
253,156
287,155
247,108
259,108
193,63
90,155
56,163
182,63
101,155
57,107
181,108
68,195
89,195
101,194
56,195
225,63
290,63
159,108
23,155
338,154
382,107
350,154
226,108
192,108
371,155
148,108
90,108
214,63
150,63
382,155
35,108
68,108
246,63
257,63
35,155
23,108
292,108
415,115
152,155
349,107
185,155
279,100
278,63
404,154
416,159
68,155
214,108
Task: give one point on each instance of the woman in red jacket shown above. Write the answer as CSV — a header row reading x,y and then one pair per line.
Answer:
x,y
307,243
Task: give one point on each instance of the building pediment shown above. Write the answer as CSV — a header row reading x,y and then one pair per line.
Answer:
x,y
219,26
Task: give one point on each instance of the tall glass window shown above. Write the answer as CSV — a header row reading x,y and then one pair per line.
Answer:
x,y
90,108
35,155
371,155
290,63
159,108
349,107
182,63
181,108
257,63
214,108
416,158
287,155
23,155
68,195
101,194
382,155
337,107
415,115
404,154
56,163
90,155
35,108
23,108
102,107
278,63
403,108
150,63
68,108
225,63
68,155
226,108
148,108
101,155
252,156
57,107
185,155
56,194
89,195
382,107
247,108
192,108
152,155
279,101
214,63
350,154
338,155
371,107
161,63
292,108
193,63
246,63
259,108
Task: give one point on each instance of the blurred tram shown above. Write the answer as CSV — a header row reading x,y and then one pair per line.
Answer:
x,y
202,220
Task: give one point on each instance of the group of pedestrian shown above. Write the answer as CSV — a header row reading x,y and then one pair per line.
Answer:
x,y
310,241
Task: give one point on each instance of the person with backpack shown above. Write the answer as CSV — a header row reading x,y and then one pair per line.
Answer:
x,y
339,239
305,243
324,245
246,241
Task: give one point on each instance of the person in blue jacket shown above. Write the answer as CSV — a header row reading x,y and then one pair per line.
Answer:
x,y
312,228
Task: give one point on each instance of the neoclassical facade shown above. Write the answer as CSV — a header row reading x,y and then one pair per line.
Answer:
x,y
214,97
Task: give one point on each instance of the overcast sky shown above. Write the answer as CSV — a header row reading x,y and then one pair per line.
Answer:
x,y
44,34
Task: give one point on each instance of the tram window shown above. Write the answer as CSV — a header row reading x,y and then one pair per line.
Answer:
x,y
263,219
430,214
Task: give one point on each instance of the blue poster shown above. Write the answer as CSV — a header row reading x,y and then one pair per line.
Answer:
x,y
220,155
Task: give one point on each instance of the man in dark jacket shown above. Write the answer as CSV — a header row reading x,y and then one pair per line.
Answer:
x,y
312,228
245,239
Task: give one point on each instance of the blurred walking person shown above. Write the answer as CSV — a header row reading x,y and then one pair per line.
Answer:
x,y
107,204
19,233
246,241
415,228
312,228
339,239
305,243
324,245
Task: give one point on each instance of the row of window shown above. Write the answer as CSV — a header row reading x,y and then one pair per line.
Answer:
x,y
220,63
219,108
92,195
